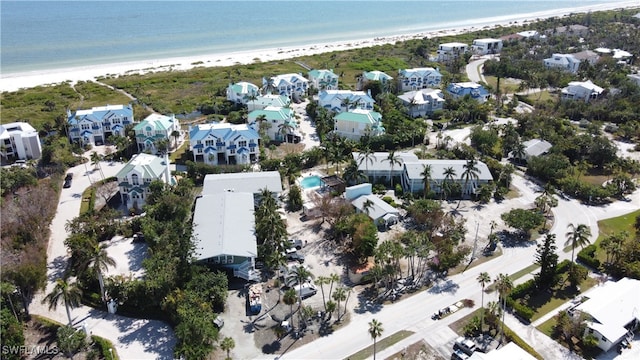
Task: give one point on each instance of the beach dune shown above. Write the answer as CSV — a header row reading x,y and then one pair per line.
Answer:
x,y
16,81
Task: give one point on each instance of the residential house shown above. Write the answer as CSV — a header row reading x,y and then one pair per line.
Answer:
x,y
511,38
581,90
323,79
476,91
154,130
362,198
357,123
635,78
136,176
377,167
422,102
413,179
531,34
224,144
486,46
419,78
242,92
622,56
569,30
224,220
293,86
262,101
571,62
375,75
345,100
19,141
94,126
535,147
451,51
613,312
278,123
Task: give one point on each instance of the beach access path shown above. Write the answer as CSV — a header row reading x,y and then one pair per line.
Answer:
x,y
132,338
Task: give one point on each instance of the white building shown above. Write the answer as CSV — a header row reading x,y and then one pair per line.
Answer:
x,y
136,176
377,166
419,78
422,102
262,101
581,90
451,51
362,198
293,86
323,79
224,144
94,126
242,92
345,100
535,147
413,179
486,46
566,62
614,311
19,141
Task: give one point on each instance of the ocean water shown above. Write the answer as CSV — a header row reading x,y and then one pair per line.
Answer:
x,y
40,35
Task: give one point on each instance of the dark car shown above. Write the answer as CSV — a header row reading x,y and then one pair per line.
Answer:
x,y
297,243
67,181
295,256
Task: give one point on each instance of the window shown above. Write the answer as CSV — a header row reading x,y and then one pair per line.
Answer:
x,y
232,151
85,126
134,179
209,143
229,259
242,143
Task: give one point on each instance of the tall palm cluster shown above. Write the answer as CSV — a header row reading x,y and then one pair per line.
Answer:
x,y
271,231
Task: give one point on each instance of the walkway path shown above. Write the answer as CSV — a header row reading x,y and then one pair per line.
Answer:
x,y
132,338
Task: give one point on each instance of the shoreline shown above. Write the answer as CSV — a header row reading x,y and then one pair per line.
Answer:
x,y
29,79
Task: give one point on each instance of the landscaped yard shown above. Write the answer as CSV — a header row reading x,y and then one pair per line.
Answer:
x,y
381,344
544,302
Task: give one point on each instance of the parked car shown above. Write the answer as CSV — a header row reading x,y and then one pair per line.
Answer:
x,y
305,290
295,256
296,243
67,181
467,346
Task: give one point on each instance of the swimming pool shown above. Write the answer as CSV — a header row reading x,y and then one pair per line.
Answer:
x,y
310,182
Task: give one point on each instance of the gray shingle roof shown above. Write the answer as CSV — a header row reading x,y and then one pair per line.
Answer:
x,y
379,209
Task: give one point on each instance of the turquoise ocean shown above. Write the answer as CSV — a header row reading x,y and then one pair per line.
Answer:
x,y
43,35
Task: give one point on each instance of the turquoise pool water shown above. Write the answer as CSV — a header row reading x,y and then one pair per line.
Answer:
x,y
311,182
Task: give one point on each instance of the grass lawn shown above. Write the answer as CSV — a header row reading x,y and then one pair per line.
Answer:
x,y
615,225
381,344
505,87
544,302
178,154
515,276
597,180
547,326
541,97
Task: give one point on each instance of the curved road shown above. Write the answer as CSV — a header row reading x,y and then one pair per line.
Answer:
x,y
132,338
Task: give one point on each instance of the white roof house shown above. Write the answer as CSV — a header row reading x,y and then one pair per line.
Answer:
x,y
422,102
362,198
338,100
20,141
419,78
565,62
486,46
245,182
535,147
323,79
452,50
612,307
290,85
412,179
377,166
581,90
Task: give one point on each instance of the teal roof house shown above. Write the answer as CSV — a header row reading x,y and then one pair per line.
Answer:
x,y
357,123
375,75
278,123
419,78
242,92
263,101
323,79
156,128
224,144
137,174
94,126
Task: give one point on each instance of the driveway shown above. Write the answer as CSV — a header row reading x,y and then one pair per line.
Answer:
x,y
132,338
473,69
310,137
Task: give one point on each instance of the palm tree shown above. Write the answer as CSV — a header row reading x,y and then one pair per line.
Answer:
x,y
504,285
69,293
346,102
227,344
95,161
577,236
268,84
352,175
375,330
519,152
367,205
322,280
483,279
301,275
290,297
176,135
333,279
366,156
339,295
470,172
100,261
393,160
426,179
286,128
449,174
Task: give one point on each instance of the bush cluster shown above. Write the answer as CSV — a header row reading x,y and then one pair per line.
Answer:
x,y
587,256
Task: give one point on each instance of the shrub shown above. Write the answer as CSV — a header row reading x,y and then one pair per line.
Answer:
x,y
468,303
472,329
389,201
523,289
587,256
103,345
518,341
563,267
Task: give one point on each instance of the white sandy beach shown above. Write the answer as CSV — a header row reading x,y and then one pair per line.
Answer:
x,y
15,81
